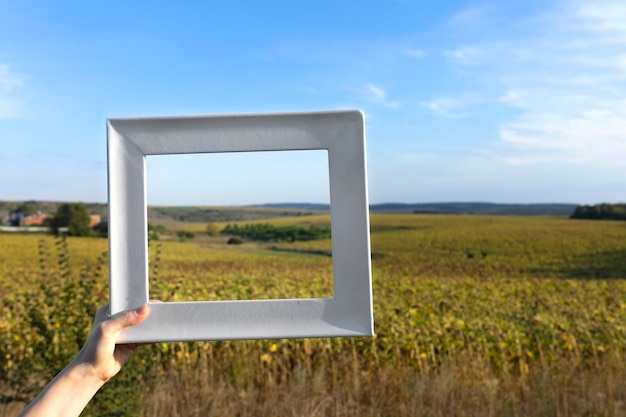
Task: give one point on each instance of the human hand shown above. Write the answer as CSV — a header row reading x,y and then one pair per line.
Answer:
x,y
99,360
101,357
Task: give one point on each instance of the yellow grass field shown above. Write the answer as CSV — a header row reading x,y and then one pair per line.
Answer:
x,y
474,315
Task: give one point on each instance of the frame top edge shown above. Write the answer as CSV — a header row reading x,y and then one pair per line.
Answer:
x,y
353,112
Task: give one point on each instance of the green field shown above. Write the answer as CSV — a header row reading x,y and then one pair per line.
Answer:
x,y
474,315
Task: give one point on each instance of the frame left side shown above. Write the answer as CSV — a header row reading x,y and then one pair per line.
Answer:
x,y
128,263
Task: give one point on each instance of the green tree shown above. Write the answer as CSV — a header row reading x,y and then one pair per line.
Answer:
x,y
27,207
154,231
102,229
601,211
211,229
183,235
75,217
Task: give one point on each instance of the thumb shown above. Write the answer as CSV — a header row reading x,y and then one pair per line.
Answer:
x,y
126,319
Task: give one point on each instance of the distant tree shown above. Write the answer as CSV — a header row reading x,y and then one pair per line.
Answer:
x,y
184,235
16,217
601,211
75,217
154,231
47,222
211,229
102,229
269,233
27,207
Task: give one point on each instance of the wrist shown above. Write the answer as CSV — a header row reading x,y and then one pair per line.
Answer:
x,y
85,375
67,394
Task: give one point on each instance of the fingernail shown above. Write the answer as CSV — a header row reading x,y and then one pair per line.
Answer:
x,y
142,310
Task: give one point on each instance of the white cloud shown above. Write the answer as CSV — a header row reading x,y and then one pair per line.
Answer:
x,y
9,80
443,106
376,92
465,55
621,64
564,79
605,16
468,16
9,108
452,106
511,97
378,95
596,136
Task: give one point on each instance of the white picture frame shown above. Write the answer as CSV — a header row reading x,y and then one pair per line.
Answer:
x,y
341,133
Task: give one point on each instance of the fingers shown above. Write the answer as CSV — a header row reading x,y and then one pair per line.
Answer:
x,y
117,323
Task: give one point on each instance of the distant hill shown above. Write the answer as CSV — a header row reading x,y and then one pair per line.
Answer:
x,y
451,208
294,206
478,208
199,214
206,214
166,214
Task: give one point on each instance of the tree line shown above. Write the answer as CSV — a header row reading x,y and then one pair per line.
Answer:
x,y
601,212
266,232
72,219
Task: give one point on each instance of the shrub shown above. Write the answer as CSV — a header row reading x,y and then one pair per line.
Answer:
x,y
102,229
56,319
75,217
184,235
269,233
211,229
154,231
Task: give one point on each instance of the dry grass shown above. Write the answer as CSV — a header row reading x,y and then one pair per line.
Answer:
x,y
463,386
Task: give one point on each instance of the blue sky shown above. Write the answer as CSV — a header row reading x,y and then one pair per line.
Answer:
x,y
512,102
